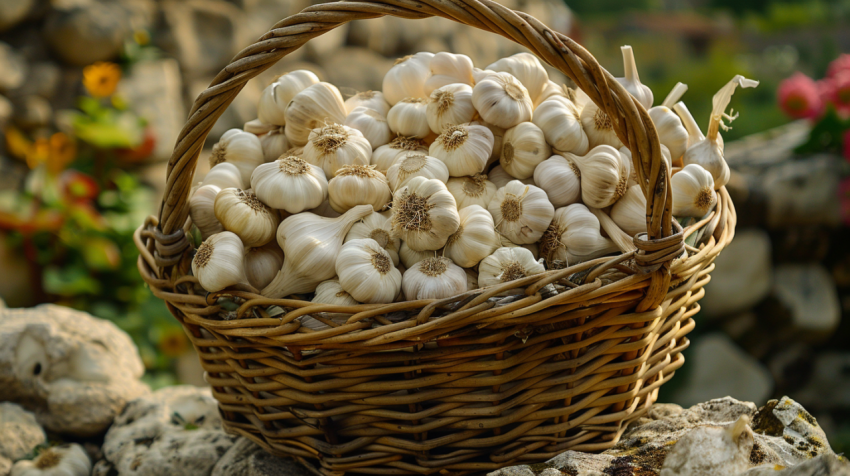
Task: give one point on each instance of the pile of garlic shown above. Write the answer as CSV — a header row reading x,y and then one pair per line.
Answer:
x,y
452,177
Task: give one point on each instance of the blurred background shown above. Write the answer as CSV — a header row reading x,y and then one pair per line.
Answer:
x,y
93,94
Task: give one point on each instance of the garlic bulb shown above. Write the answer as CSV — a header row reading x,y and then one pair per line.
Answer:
x,y
521,212
358,185
574,237
371,124
500,177
498,134
274,99
373,100
329,292
310,245
409,257
409,117
523,148
552,90
406,79
464,148
448,68
258,127
434,278
527,69
274,144
629,213
693,192
626,156
241,212
449,105
262,264
474,190
385,156
709,152
379,227
502,100
336,145
560,178
604,176
317,105
226,175
632,82
65,460
201,210
290,184
532,247
366,272
599,127
475,238
507,264
220,262
671,131
560,121
241,149
424,214
415,164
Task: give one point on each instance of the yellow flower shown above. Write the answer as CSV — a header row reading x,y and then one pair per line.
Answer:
x,y
38,152
173,342
17,143
101,78
62,152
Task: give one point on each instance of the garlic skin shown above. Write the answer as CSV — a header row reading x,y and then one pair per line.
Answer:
x,y
262,264
220,262
534,248
371,124
500,177
507,264
604,176
434,278
276,96
415,164
449,105
449,68
358,185
373,100
552,90
521,212
241,212
424,214
386,155
310,244
475,238
315,106
290,184
201,210
671,131
629,213
258,127
366,272
406,79
560,178
560,121
64,460
694,133
474,190
241,149
574,237
626,155
527,69
523,148
632,82
274,144
471,279
329,292
409,257
498,134
693,192
379,227
333,146
599,127
464,148
502,100
409,117
225,175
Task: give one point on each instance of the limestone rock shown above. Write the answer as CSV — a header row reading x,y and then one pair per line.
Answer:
x,y
710,450
809,293
742,275
245,458
13,67
63,460
19,433
11,13
74,371
822,465
86,32
801,192
829,386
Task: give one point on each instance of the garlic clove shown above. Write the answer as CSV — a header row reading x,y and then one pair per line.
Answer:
x,y
225,175
386,155
201,210
366,272
335,145
474,190
358,185
498,135
240,148
560,178
434,278
521,212
406,79
373,100
500,177
409,257
475,238
371,124
693,192
604,176
629,213
527,69
276,96
409,117
317,105
241,212
449,105
219,262
502,100
258,127
290,184
631,81
523,148
379,227
416,164
262,264
424,214
464,148
560,121
274,144
574,236
448,68
507,264
671,131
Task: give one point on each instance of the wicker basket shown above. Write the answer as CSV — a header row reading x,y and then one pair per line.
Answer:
x,y
466,384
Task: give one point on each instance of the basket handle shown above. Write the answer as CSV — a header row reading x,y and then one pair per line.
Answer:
x,y
631,121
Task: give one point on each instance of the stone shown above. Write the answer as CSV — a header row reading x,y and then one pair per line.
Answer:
x,y
710,450
31,112
822,465
62,460
829,385
13,67
245,458
809,294
20,433
43,80
82,33
175,431
74,371
802,192
13,12
742,275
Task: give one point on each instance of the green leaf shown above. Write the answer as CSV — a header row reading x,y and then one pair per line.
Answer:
x,y
69,281
827,135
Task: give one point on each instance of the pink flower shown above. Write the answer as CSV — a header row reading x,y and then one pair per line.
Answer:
x,y
836,91
799,97
838,65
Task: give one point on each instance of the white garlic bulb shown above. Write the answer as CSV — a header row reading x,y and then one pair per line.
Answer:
x,y
560,121
358,185
274,99
315,106
500,177
604,176
534,248
290,184
449,68
371,124
258,127
523,148
409,117
693,192
373,100
329,292
409,257
424,214
599,127
416,164
507,264
474,190
386,155
502,100
219,262
333,146
379,227
274,144
574,237
226,175
241,212
527,69
366,272
464,148
498,134
560,178
671,131
434,278
626,155
201,210
241,149
449,105
632,82
262,264
475,238
552,90
406,79
310,245
629,213
521,212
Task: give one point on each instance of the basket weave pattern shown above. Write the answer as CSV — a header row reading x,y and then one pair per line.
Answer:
x,y
470,383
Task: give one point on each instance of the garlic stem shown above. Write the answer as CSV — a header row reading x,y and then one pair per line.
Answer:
x,y
721,100
629,64
676,93
615,233
689,122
